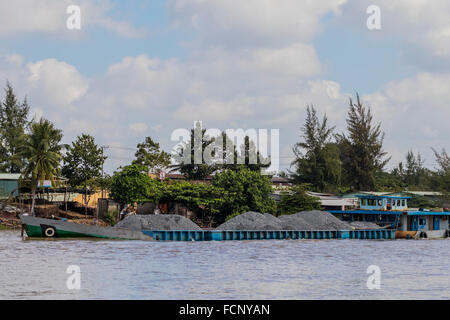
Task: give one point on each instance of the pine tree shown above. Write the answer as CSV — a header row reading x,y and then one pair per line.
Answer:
x,y
13,124
362,151
317,158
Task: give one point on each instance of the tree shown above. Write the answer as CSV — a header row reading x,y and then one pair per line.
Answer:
x,y
245,190
132,184
83,162
252,158
317,160
194,168
42,149
206,200
443,171
297,200
413,173
362,153
150,156
13,124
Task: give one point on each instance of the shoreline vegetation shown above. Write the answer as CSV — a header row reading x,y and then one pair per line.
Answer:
x,y
213,193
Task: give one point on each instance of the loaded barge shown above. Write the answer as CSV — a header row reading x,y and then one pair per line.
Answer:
x,y
392,212
48,228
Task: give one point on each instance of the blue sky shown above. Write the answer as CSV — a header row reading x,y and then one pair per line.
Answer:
x,y
146,68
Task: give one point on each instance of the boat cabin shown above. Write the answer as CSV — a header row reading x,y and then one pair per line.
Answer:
x,y
369,202
392,212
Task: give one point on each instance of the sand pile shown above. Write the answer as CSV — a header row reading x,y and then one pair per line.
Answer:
x,y
157,222
252,221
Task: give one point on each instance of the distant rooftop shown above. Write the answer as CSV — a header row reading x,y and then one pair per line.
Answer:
x,y
9,176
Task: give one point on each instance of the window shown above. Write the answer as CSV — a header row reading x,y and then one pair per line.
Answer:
x,y
404,203
380,202
422,221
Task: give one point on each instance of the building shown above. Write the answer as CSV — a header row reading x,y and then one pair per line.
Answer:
x,y
330,201
9,183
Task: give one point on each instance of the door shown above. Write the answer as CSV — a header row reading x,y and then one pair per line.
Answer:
x,y
415,223
436,222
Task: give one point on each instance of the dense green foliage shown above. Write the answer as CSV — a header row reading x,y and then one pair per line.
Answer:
x,y
13,125
150,156
194,196
247,190
132,184
297,200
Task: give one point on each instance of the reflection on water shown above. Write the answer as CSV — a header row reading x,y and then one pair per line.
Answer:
x,y
286,269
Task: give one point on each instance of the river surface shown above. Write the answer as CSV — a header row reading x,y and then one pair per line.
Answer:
x,y
278,269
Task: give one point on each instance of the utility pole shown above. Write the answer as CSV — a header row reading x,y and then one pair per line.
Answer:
x,y
103,173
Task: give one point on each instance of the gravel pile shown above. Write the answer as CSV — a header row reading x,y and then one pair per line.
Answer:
x,y
295,222
306,220
313,220
364,225
252,221
157,222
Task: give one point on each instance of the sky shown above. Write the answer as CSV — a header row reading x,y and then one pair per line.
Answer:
x,y
146,68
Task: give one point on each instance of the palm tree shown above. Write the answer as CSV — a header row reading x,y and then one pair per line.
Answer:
x,y
42,149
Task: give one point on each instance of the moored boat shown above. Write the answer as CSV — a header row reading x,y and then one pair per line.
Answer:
x,y
49,228
392,212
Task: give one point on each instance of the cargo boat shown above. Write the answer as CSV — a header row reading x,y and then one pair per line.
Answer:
x,y
392,212
49,228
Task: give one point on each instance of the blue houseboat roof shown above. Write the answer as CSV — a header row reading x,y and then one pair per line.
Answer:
x,y
368,196
410,213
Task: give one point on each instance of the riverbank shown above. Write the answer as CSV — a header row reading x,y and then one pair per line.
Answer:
x,y
10,220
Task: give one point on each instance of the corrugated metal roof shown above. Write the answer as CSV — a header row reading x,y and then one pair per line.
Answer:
x,y
9,176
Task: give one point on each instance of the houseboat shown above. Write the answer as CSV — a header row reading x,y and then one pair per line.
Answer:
x,y
392,212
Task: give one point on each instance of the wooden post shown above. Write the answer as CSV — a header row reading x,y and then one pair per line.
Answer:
x,y
65,198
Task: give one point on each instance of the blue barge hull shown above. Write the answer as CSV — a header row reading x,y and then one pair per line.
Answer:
x,y
216,235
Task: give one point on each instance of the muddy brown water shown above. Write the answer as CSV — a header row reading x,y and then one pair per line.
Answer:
x,y
286,269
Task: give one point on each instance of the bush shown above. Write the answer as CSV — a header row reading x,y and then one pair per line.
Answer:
x,y
132,184
297,200
246,190
110,217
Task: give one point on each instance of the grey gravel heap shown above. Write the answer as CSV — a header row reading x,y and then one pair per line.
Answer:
x,y
306,220
313,220
364,225
157,222
252,221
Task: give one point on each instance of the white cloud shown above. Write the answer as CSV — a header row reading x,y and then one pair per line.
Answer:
x,y
414,112
252,22
49,16
138,127
423,26
57,82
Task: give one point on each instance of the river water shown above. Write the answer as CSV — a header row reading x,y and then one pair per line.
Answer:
x,y
283,269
